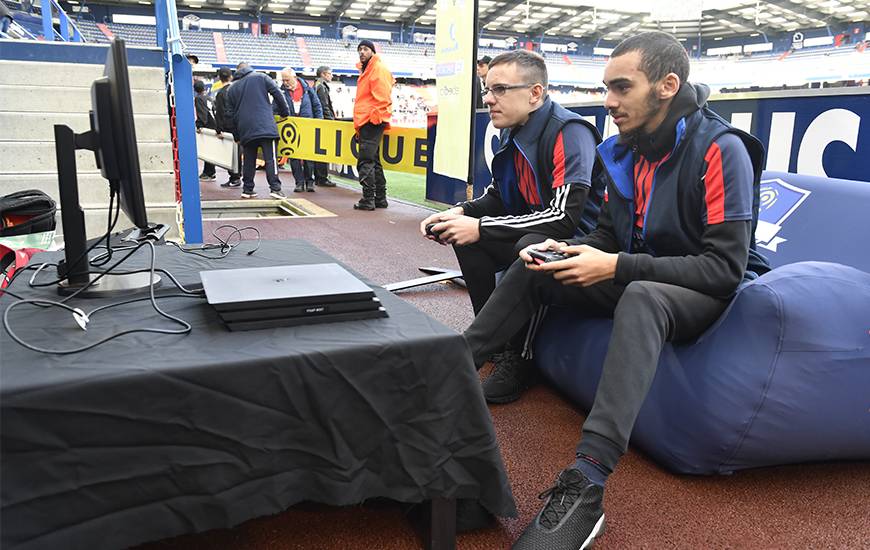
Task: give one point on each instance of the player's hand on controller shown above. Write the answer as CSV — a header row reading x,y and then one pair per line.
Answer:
x,y
459,230
549,244
432,233
586,267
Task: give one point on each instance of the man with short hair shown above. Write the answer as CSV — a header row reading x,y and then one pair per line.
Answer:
x,y
372,111
674,240
223,77
303,103
544,184
482,69
321,86
247,105
223,123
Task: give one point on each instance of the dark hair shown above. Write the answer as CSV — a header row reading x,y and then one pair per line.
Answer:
x,y
322,69
224,73
485,60
199,86
531,64
660,54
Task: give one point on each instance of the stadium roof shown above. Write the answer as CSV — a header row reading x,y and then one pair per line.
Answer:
x,y
581,19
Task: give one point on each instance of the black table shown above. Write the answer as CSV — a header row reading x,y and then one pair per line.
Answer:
x,y
151,436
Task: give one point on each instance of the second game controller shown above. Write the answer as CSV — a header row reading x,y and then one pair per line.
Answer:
x,y
432,233
546,256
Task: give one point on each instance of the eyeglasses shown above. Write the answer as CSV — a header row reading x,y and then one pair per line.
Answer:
x,y
500,90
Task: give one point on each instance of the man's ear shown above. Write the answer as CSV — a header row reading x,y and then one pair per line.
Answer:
x,y
537,93
668,86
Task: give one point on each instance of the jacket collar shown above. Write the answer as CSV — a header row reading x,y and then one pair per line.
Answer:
x,y
620,164
529,133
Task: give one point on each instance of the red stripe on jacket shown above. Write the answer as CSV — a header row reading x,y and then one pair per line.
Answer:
x,y
559,163
526,180
714,183
644,171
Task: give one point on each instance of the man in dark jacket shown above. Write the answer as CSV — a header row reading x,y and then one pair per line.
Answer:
x,y
321,86
204,119
224,124
543,185
482,69
674,240
247,105
304,103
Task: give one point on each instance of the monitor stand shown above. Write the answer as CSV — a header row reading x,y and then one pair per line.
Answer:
x,y
74,269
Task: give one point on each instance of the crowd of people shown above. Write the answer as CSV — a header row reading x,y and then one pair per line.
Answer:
x,y
246,104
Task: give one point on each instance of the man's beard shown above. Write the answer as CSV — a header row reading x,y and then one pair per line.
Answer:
x,y
653,104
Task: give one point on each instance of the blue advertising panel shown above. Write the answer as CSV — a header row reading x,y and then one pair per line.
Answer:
x,y
822,133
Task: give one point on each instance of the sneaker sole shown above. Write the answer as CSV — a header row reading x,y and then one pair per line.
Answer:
x,y
597,531
503,399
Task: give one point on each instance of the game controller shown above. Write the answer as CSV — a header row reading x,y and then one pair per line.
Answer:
x,y
546,256
432,233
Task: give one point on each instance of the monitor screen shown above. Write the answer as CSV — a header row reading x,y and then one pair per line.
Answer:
x,y
117,154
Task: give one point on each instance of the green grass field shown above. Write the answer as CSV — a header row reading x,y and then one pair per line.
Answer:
x,y
407,187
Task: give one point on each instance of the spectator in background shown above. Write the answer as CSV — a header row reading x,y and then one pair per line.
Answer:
x,y
194,61
324,77
303,102
482,70
223,123
371,117
223,78
204,119
247,105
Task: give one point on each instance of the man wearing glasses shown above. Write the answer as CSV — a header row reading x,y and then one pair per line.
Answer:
x,y
542,187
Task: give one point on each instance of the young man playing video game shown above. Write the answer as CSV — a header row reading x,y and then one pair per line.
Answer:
x,y
542,186
674,240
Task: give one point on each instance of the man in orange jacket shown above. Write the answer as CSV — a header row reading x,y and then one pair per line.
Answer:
x,y
371,116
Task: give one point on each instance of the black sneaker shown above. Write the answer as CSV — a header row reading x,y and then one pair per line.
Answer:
x,y
364,204
510,376
277,194
381,203
299,189
326,183
572,516
207,177
232,183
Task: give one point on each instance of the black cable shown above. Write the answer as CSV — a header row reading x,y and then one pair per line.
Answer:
x,y
83,318
225,245
110,225
107,237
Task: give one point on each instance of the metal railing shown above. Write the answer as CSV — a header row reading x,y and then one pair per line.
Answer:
x,y
49,7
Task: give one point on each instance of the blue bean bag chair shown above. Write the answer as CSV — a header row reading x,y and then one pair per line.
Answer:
x,y
784,375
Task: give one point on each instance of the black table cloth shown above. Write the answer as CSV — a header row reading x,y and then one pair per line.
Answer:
x,y
150,436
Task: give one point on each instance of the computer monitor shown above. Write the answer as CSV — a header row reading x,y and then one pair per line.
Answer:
x,y
112,138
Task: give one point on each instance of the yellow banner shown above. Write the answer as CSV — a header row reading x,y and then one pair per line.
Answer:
x,y
403,149
454,67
